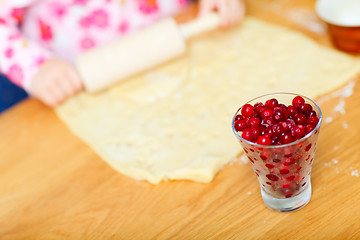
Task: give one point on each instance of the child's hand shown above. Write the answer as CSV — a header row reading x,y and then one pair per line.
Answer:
x,y
231,11
55,81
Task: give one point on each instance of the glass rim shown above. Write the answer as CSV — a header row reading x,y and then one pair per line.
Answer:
x,y
282,145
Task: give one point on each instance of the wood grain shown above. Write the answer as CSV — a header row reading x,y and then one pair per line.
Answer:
x,y
53,186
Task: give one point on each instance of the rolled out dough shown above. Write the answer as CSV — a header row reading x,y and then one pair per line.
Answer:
x,y
174,122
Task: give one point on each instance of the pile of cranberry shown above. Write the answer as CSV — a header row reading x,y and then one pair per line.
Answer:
x,y
276,124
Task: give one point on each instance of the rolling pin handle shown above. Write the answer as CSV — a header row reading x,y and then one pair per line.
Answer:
x,y
200,25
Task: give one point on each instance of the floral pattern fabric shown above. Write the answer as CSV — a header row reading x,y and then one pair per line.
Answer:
x,y
32,31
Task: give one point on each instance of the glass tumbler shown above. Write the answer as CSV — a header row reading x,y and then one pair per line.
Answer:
x,y
284,170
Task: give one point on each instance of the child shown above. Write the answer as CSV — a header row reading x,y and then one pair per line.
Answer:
x,y
40,38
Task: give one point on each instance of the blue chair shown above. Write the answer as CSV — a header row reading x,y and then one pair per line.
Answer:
x,y
9,94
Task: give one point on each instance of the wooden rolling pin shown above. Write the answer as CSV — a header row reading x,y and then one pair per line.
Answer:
x,y
102,66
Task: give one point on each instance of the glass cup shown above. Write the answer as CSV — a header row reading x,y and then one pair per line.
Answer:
x,y
284,170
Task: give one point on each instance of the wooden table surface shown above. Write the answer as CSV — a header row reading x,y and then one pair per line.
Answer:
x,y
53,186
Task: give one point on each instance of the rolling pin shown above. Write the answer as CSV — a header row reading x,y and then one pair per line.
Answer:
x,y
102,66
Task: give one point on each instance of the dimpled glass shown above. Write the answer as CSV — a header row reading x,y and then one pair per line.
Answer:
x,y
283,171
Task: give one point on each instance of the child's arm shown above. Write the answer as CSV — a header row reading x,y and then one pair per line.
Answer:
x,y
29,65
231,11
55,81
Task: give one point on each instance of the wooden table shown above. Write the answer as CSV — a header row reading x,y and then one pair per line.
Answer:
x,y
53,186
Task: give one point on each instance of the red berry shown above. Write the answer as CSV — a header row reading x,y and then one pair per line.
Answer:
x,y
284,171
289,124
290,178
298,131
289,161
247,134
279,115
267,112
257,106
270,166
259,109
286,185
300,118
240,125
311,114
309,128
274,123
264,140
272,103
269,121
247,110
313,120
277,129
297,101
256,132
291,110
238,117
272,177
305,108
254,121
286,138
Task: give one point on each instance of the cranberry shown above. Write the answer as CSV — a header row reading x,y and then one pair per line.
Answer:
x,y
284,171
264,140
298,131
311,114
298,100
279,115
300,118
240,125
286,138
238,117
308,147
269,131
267,112
268,121
247,110
254,121
270,166
291,110
274,123
262,129
272,103
256,132
289,161
305,107
263,157
289,124
272,177
313,120
286,185
247,134
290,178
275,160
309,128
260,109
277,129
257,106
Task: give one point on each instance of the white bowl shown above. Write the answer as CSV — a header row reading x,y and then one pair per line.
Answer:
x,y
343,19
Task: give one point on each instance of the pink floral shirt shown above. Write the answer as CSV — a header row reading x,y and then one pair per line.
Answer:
x,y
32,31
